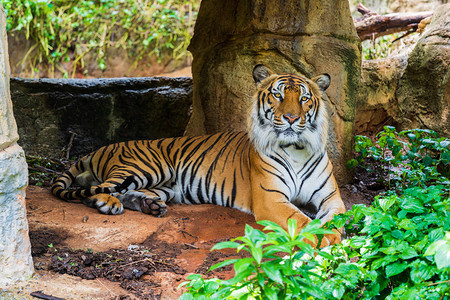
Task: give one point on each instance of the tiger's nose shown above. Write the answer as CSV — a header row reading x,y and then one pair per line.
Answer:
x,y
290,118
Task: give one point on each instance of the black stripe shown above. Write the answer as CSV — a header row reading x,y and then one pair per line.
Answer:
x,y
275,191
321,186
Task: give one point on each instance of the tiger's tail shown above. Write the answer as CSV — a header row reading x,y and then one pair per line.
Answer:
x,y
61,185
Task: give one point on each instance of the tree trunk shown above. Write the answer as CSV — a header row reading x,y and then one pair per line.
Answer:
x,y
372,25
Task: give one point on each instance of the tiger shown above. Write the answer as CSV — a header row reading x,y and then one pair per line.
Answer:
x,y
278,169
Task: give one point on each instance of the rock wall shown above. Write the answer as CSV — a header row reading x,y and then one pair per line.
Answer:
x,y
412,89
306,37
15,249
97,112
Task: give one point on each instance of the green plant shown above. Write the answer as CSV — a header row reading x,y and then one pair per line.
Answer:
x,y
66,31
392,253
280,266
390,241
408,158
382,46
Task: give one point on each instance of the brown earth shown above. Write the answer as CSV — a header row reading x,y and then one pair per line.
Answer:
x,y
81,254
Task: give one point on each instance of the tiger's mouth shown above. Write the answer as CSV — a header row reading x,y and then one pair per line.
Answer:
x,y
289,131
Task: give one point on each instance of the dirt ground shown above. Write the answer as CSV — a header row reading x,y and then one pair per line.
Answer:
x,y
79,253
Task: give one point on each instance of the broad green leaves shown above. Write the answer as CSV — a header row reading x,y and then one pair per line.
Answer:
x,y
278,268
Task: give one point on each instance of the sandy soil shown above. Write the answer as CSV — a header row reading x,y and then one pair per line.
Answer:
x,y
180,241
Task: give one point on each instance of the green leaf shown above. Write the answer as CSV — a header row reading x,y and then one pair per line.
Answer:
x,y
408,253
442,257
395,268
223,264
422,272
380,262
434,247
338,292
186,296
345,268
211,286
387,202
436,234
273,272
412,205
225,245
194,277
292,227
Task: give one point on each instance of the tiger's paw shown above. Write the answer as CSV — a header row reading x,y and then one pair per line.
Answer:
x,y
153,206
106,204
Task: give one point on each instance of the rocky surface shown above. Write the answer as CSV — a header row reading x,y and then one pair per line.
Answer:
x,y
410,89
15,251
424,88
310,38
97,112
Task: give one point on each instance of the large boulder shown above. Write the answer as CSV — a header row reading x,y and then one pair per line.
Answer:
x,y
306,37
411,89
424,88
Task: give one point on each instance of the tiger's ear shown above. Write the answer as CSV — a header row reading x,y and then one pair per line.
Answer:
x,y
322,81
260,72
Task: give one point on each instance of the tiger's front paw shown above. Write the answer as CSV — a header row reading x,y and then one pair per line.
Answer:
x,y
153,206
106,204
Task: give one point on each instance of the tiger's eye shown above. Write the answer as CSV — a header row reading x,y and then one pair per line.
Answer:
x,y
304,99
277,95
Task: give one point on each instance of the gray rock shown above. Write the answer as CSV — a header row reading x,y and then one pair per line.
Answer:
x,y
410,90
98,111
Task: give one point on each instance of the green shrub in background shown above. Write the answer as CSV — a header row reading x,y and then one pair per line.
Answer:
x,y
66,30
417,157
398,248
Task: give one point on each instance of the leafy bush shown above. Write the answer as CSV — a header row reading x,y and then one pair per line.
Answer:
x,y
408,158
275,270
390,241
398,248
68,30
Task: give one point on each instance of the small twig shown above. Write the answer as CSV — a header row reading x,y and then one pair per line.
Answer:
x,y
164,263
64,214
185,232
404,35
106,287
190,245
38,168
436,283
69,146
41,295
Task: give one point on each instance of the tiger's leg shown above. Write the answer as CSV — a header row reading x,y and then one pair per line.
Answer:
x,y
327,210
151,201
105,203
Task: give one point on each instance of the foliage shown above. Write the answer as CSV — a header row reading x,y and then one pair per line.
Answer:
x,y
65,31
398,248
394,241
382,46
42,171
416,157
279,267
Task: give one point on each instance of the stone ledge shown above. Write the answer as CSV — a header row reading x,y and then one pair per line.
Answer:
x,y
98,111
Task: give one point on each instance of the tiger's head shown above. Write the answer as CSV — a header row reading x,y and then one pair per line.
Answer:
x,y
288,111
